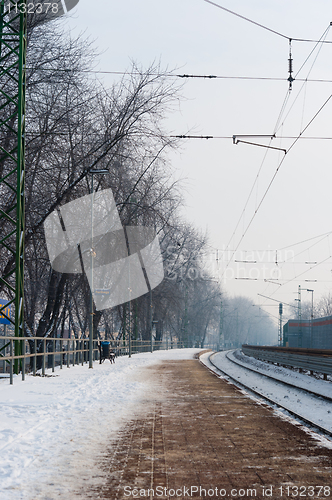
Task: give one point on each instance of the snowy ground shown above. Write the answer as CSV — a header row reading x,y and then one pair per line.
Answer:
x,y
53,429
310,407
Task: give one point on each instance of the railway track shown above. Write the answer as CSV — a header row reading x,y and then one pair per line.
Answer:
x,y
314,393
302,418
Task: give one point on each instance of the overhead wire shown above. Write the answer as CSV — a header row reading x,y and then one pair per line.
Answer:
x,y
274,176
290,137
305,80
306,270
295,139
324,35
174,75
321,41
306,249
282,160
247,201
279,249
277,127
246,19
262,25
290,79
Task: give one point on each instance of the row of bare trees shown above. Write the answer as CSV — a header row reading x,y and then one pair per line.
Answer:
x,y
246,323
320,309
74,124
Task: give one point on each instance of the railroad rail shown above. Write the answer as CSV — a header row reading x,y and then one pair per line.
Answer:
x,y
292,412
290,384
315,360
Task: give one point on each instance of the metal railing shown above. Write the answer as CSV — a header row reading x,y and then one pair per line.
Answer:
x,y
40,353
304,359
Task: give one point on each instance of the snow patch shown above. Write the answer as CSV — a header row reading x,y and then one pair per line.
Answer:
x,y
54,430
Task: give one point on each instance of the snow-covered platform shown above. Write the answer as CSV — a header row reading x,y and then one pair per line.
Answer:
x,y
158,420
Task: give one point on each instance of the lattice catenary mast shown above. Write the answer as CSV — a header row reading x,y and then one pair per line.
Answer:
x,y
13,45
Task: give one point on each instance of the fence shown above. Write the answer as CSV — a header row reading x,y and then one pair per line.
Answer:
x,y
39,353
314,360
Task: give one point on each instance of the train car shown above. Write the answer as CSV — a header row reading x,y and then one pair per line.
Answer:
x,y
315,334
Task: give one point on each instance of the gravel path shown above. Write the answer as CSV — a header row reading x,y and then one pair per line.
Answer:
x,y
201,437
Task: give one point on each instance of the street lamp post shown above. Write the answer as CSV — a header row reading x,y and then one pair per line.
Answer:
x,y
92,171
151,325
312,311
312,315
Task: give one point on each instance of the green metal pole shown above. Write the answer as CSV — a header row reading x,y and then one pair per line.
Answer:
x,y
13,47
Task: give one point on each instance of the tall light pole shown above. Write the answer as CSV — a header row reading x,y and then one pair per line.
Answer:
x,y
151,324
312,315
300,317
221,329
92,171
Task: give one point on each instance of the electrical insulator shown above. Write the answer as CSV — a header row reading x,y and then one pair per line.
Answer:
x,y
290,66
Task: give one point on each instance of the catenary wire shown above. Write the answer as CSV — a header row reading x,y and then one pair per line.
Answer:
x,y
274,176
262,25
268,146
203,77
305,241
304,83
324,35
290,137
272,180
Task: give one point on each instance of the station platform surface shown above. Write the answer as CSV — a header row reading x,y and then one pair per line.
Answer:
x,y
202,437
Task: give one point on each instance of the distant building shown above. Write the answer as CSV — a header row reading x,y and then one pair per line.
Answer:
x,y
315,335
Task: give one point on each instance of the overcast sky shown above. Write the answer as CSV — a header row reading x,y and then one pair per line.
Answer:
x,y
198,38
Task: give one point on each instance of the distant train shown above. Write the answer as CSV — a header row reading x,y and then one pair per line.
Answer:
x,y
315,334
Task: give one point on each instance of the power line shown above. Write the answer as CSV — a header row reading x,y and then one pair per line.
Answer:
x,y
247,19
306,249
305,80
280,302
174,75
307,270
236,141
263,26
271,249
265,156
305,241
274,176
324,35
290,137
183,136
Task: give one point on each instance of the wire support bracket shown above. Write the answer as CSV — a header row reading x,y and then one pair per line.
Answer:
x,y
236,141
